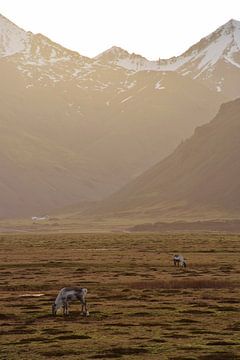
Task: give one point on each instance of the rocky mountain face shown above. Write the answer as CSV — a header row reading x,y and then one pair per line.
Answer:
x,y
200,178
77,129
214,60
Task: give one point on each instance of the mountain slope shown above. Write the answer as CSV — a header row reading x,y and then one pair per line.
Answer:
x,y
74,129
213,61
201,177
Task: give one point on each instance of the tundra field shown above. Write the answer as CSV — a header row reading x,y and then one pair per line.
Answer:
x,y
141,306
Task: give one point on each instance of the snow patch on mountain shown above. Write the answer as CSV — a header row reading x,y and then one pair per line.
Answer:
x,y
233,62
211,54
223,43
158,85
12,38
40,59
126,99
133,62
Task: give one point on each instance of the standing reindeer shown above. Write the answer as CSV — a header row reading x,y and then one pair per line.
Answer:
x,y
178,260
70,294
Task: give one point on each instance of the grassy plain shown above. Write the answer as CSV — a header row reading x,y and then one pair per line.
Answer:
x,y
141,307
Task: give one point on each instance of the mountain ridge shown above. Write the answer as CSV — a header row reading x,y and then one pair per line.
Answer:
x,y
203,61
200,178
74,129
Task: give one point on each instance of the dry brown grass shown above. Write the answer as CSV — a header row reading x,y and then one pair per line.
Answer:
x,y
141,306
206,283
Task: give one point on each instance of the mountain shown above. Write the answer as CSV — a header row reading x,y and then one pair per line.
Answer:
x,y
12,38
213,61
77,129
200,179
120,57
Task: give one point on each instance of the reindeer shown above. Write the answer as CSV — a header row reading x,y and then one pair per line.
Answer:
x,y
70,294
179,260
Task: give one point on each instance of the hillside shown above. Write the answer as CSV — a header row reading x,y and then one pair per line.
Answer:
x,y
199,179
74,129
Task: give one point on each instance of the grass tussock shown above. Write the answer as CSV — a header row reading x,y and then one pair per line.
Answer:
x,y
186,284
120,352
220,356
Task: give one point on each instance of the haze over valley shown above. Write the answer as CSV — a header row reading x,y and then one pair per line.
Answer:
x,y
76,129
199,180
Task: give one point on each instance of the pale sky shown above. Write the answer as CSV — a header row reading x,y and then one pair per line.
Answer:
x,y
152,28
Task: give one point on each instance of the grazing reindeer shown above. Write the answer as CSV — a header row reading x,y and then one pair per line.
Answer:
x,y
70,294
178,260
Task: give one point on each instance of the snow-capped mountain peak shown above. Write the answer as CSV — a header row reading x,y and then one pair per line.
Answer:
x,y
38,58
221,45
118,56
112,53
232,29
231,25
32,48
12,38
214,60
218,42
207,59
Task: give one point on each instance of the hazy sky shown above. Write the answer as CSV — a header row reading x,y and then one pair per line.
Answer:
x,y
152,28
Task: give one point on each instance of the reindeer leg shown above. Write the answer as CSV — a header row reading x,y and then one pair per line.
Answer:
x,y
84,307
65,308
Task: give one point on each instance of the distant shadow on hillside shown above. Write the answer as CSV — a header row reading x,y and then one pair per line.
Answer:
x,y
229,226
